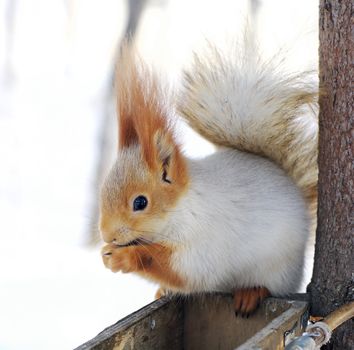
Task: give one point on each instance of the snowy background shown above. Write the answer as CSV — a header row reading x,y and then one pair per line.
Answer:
x,y
56,60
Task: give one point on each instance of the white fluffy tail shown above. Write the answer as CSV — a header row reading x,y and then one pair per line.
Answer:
x,y
238,101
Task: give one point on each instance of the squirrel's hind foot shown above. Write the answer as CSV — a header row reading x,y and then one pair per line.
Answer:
x,y
247,300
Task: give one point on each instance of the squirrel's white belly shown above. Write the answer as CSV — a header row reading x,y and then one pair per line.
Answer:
x,y
242,224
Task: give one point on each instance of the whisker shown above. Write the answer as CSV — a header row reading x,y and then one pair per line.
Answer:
x,y
142,239
142,231
157,234
154,256
141,262
170,239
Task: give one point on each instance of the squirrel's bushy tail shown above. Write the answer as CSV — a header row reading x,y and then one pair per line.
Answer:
x,y
238,101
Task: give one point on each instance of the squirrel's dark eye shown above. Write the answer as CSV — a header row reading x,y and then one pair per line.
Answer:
x,y
140,203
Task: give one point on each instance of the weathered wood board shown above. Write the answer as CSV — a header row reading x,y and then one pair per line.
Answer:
x,y
158,325
205,322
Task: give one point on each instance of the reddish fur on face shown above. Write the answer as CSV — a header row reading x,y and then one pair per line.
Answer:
x,y
151,261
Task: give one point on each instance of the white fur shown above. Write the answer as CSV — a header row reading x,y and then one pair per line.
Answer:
x,y
239,100
243,223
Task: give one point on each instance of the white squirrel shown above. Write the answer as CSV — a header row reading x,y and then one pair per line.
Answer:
x,y
235,221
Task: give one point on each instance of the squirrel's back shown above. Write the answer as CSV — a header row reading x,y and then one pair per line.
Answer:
x,y
240,101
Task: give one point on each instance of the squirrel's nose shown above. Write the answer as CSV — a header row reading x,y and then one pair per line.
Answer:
x,y
112,236
107,236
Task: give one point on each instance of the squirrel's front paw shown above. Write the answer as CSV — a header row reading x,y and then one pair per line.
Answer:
x,y
119,258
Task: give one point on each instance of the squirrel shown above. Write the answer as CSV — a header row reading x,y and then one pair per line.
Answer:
x,y
235,221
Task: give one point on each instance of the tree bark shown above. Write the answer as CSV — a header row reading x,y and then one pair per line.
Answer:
x,y
333,276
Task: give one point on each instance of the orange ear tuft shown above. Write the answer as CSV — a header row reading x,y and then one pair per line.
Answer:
x,y
127,133
140,108
125,75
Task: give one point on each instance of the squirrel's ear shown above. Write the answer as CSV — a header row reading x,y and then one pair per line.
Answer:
x,y
166,149
143,119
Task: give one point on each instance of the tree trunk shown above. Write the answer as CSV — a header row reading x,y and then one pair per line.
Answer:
x,y
333,276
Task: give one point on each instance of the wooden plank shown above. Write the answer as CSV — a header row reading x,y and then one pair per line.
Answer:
x,y
147,328
203,322
276,334
210,321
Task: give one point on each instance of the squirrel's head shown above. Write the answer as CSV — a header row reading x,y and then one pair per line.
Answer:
x,y
150,173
